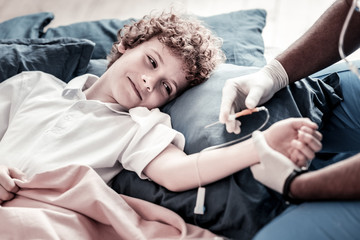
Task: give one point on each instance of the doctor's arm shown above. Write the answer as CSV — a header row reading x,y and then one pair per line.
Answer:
x,y
337,181
318,47
315,50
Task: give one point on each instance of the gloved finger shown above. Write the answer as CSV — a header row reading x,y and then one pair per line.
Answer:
x,y
253,98
227,101
310,140
237,129
231,124
260,144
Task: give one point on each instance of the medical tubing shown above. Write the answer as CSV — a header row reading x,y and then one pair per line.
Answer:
x,y
202,194
351,66
262,108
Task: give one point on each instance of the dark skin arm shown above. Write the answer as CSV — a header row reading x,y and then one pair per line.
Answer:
x,y
337,181
318,47
315,50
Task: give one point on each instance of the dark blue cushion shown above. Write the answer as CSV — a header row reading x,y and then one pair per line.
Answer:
x,y
64,58
29,26
241,33
240,30
101,32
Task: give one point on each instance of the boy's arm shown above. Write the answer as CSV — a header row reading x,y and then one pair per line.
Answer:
x,y
177,171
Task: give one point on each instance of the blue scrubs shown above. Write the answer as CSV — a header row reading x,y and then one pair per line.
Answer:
x,y
341,139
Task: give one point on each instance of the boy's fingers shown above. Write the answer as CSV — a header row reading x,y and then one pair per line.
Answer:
x,y
16,173
5,195
304,122
311,140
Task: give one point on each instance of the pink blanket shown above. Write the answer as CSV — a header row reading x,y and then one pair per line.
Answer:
x,y
74,203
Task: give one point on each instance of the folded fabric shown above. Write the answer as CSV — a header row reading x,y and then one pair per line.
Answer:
x,y
28,26
64,58
74,201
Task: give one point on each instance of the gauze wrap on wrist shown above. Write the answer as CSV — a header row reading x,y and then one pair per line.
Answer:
x,y
276,71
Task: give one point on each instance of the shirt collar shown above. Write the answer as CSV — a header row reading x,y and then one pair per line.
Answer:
x,y
74,89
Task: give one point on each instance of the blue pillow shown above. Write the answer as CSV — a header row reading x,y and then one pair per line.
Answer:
x,y
64,58
102,33
240,30
29,26
241,33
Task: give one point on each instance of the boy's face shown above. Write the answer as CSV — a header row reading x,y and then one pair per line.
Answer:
x,y
147,75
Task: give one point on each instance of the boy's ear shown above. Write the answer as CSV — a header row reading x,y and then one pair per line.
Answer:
x,y
121,48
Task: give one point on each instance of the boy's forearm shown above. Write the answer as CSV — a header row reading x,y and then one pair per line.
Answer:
x,y
180,172
219,163
318,47
337,181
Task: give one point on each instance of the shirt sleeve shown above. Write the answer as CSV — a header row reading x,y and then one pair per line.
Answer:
x,y
153,135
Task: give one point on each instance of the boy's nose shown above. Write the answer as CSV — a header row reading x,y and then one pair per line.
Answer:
x,y
148,82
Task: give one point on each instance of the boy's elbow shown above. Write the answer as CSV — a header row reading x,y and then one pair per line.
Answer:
x,y
173,186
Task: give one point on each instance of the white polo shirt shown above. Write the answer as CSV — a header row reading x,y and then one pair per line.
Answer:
x,y
46,124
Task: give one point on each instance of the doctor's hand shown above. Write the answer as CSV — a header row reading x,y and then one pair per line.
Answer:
x,y
250,91
274,168
8,188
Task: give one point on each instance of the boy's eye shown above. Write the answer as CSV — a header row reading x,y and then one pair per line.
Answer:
x,y
167,88
152,62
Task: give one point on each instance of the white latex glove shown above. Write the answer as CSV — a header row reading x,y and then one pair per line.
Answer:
x,y
274,168
250,91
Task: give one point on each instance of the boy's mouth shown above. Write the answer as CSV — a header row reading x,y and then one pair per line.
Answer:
x,y
135,89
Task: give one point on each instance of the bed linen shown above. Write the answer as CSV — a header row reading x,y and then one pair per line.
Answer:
x,y
73,202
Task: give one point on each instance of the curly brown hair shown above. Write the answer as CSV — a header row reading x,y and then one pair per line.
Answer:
x,y
185,36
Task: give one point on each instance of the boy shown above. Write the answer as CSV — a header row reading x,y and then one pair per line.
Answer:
x,y
112,122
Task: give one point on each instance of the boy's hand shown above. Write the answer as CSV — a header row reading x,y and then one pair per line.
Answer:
x,y
8,188
296,138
